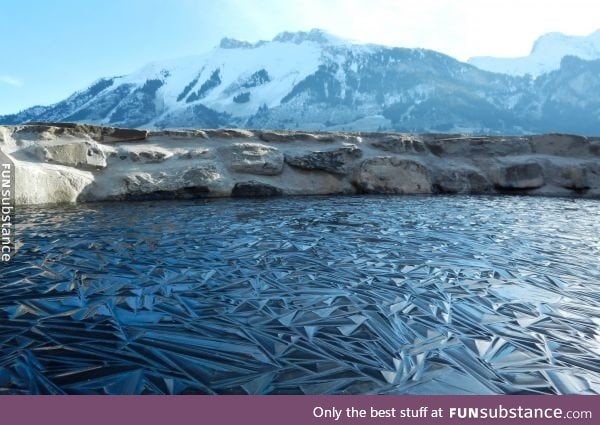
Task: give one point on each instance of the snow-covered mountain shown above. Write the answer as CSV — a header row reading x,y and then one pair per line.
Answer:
x,y
546,55
316,81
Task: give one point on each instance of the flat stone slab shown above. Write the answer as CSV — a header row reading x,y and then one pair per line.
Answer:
x,y
338,161
522,176
254,158
392,175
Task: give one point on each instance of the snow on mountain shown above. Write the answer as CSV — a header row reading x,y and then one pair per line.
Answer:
x,y
266,72
316,81
545,56
237,77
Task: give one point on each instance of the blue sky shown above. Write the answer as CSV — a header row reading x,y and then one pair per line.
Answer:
x,y
49,49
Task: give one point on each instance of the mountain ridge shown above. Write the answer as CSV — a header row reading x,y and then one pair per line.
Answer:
x,y
316,81
545,55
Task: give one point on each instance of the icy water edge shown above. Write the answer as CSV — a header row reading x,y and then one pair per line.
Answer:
x,y
325,295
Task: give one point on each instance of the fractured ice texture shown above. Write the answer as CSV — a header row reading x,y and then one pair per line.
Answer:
x,y
332,295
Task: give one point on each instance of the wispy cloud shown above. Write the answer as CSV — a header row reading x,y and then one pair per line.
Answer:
x,y
11,81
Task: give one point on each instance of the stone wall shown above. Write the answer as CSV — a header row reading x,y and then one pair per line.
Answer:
x,y
59,163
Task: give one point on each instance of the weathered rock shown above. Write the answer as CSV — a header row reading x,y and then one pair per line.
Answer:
x,y
160,182
62,130
336,161
569,176
141,183
574,178
49,185
595,147
464,180
149,155
123,135
197,154
400,144
178,134
95,132
201,175
293,136
392,175
253,189
478,182
188,192
592,172
520,176
228,133
477,146
560,144
254,158
83,155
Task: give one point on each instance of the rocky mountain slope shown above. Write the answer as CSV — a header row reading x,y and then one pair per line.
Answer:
x,y
74,163
546,55
315,81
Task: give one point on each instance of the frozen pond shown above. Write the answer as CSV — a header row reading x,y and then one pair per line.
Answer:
x,y
321,295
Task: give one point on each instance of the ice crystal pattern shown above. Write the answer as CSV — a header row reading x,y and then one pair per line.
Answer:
x,y
360,295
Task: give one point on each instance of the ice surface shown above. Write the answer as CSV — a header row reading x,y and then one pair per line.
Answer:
x,y
387,295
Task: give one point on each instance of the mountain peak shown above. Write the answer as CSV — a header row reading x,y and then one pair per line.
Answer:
x,y
315,35
546,54
548,39
553,40
232,43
